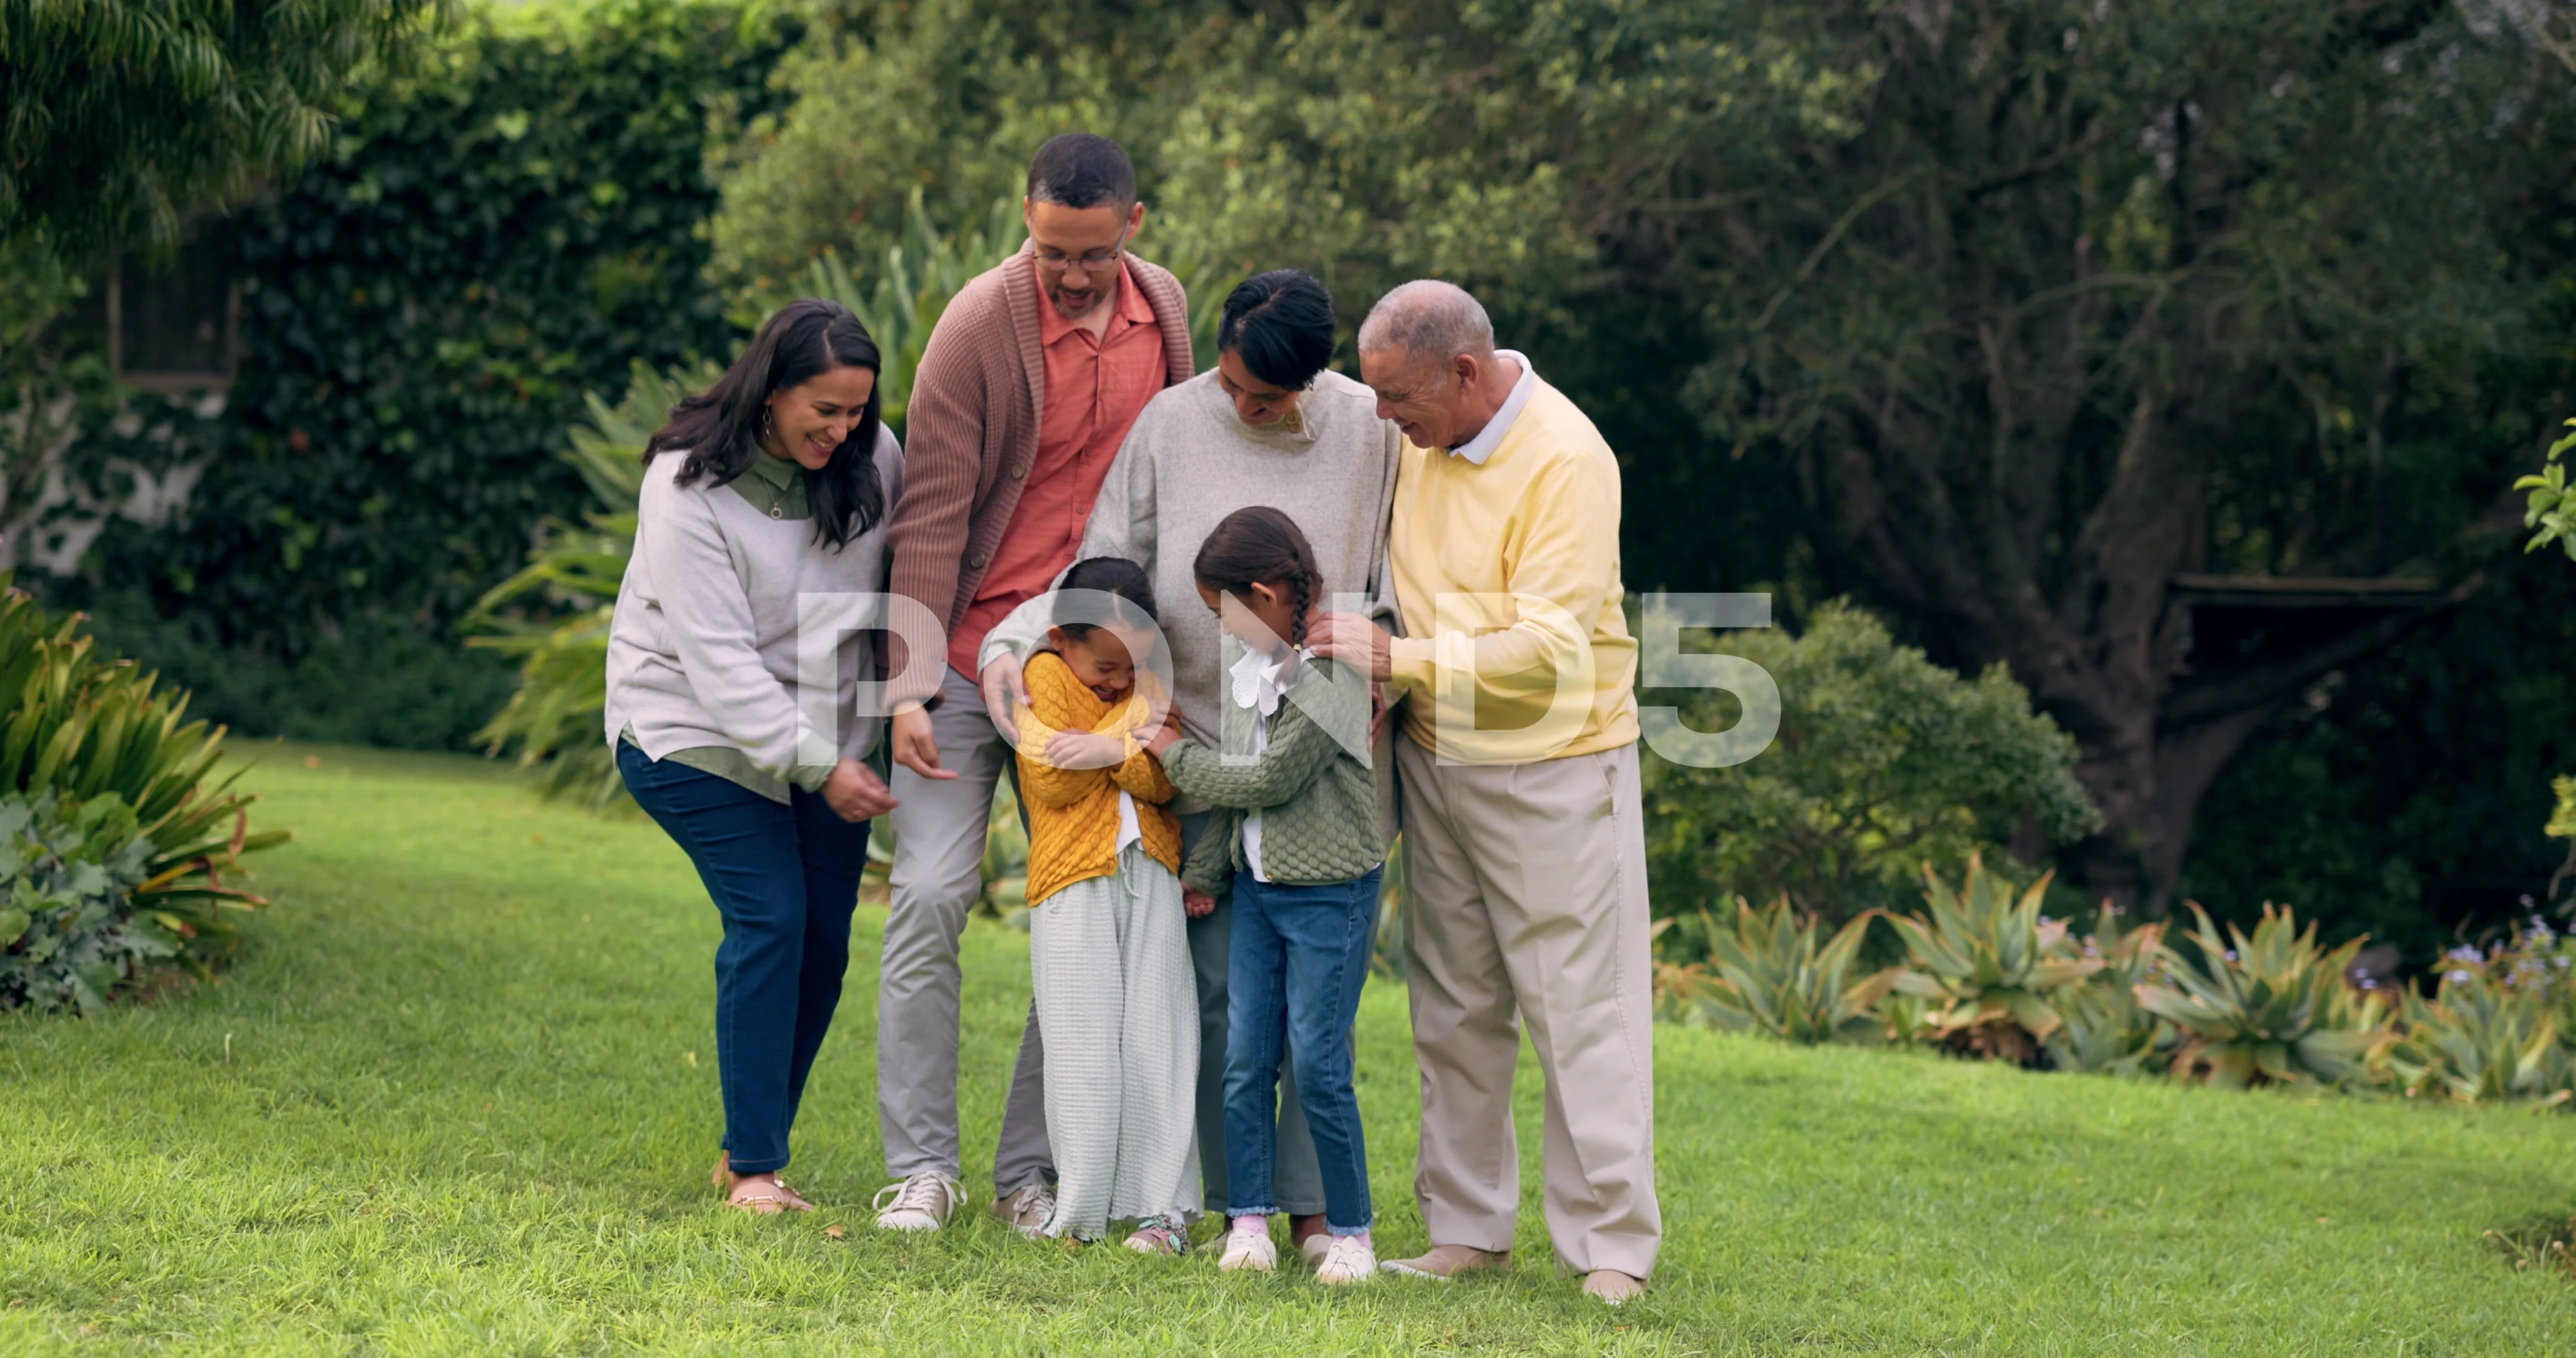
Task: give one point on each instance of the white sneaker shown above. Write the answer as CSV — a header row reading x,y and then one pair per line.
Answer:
x,y
1246,1248
1027,1210
1349,1259
920,1203
1314,1247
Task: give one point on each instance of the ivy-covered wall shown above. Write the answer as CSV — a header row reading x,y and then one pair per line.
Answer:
x,y
498,230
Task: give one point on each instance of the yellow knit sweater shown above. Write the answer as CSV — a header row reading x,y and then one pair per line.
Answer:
x,y
1073,813
1508,575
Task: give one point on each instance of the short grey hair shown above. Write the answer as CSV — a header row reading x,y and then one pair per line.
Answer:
x,y
1430,319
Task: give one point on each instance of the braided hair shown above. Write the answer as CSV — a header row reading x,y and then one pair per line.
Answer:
x,y
1260,545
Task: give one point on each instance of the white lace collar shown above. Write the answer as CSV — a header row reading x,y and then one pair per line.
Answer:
x,y
1257,682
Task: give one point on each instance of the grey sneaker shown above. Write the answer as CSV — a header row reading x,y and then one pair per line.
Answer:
x,y
1027,1209
923,1202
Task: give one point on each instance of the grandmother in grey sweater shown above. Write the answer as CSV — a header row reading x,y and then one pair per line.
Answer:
x,y
1269,425
735,667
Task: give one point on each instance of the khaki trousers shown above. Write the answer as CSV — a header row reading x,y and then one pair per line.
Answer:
x,y
1528,887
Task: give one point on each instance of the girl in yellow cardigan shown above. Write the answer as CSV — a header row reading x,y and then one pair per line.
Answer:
x,y
1117,1004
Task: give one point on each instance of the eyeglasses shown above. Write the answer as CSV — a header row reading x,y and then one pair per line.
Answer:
x,y
1091,263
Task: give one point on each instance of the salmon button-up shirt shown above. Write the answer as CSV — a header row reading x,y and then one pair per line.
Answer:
x,y
1096,386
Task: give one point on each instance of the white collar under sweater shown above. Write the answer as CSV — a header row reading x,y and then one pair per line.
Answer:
x,y
1490,437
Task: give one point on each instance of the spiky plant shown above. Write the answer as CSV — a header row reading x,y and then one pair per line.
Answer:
x,y
1990,963
2104,1029
2270,1008
2500,1028
2481,1043
1766,972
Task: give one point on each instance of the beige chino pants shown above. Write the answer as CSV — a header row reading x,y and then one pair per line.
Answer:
x,y
1528,905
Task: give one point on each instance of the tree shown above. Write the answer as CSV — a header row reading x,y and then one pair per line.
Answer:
x,y
117,119
2100,296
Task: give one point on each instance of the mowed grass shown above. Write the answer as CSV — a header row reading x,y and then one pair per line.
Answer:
x,y
460,1097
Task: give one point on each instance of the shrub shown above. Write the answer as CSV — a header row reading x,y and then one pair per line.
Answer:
x,y
1767,973
2272,1008
69,935
1884,760
1991,965
121,823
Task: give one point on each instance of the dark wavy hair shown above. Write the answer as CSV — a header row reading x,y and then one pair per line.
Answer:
x,y
1261,545
1281,324
717,433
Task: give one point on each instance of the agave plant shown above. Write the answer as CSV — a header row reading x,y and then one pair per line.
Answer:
x,y
1990,963
2272,1008
2482,1043
2103,1028
1767,973
2500,1028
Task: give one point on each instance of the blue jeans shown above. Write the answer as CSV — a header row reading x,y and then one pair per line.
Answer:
x,y
1301,954
785,879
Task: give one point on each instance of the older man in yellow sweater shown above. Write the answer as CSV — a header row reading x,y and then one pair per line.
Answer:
x,y
1524,828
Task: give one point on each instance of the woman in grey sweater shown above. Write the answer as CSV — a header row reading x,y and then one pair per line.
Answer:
x,y
759,548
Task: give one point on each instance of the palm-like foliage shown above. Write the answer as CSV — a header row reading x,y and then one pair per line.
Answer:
x,y
555,716
1990,963
1768,973
2272,1008
913,285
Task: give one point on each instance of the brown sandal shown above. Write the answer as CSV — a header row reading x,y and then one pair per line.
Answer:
x,y
758,1204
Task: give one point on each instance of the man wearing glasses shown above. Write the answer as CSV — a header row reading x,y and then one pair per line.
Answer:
x,y
1027,389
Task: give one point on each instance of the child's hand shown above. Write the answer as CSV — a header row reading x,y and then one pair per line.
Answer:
x,y
1197,904
1085,750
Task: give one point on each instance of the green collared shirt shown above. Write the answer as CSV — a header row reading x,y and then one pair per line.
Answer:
x,y
775,487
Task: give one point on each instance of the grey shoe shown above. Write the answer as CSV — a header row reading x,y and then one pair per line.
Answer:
x,y
920,1203
1026,1210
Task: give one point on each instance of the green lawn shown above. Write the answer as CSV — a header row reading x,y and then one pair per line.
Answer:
x,y
460,1098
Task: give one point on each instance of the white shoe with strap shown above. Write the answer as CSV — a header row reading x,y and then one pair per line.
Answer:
x,y
1349,1259
1248,1248
923,1202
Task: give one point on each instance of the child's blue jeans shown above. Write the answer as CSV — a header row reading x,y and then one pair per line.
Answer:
x,y
1301,954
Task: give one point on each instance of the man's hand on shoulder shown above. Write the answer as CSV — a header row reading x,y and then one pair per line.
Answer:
x,y
1357,642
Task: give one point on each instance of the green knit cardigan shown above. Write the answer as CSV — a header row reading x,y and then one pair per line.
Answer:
x,y
1318,801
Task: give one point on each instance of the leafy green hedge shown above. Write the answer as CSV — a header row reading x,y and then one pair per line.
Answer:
x,y
506,227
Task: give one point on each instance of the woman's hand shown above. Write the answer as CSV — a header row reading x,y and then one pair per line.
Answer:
x,y
855,793
913,745
1165,737
1197,904
1085,750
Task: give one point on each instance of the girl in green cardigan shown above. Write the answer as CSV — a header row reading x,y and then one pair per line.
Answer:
x,y
1295,837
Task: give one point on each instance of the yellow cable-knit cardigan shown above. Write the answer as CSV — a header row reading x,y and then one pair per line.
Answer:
x,y
1073,813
